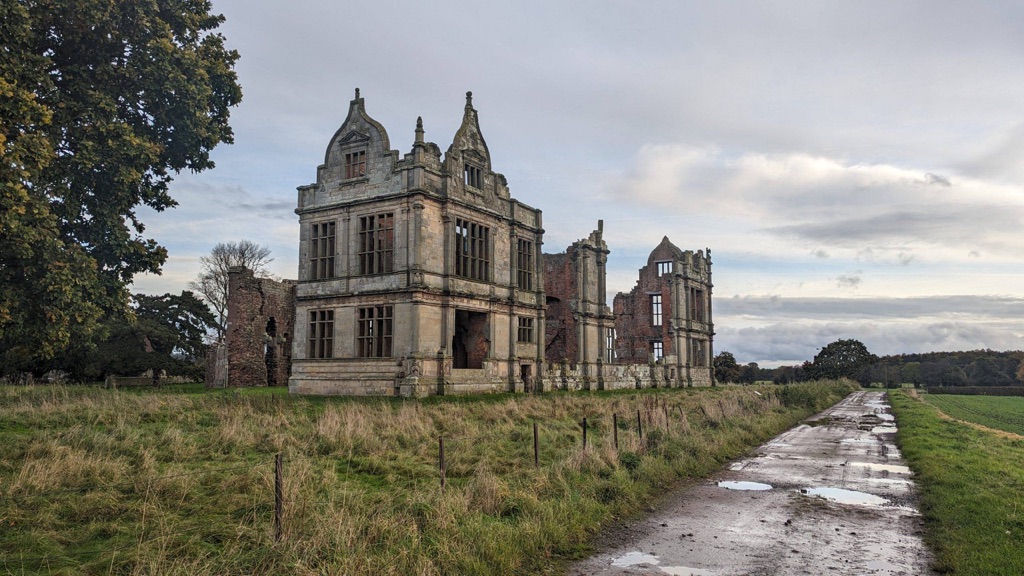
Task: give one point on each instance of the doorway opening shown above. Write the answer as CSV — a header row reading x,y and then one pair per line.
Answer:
x,y
470,344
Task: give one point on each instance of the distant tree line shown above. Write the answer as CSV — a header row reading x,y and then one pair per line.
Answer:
x,y
850,359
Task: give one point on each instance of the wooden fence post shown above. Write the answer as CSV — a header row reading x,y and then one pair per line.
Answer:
x,y
536,447
584,432
639,426
440,458
615,429
278,495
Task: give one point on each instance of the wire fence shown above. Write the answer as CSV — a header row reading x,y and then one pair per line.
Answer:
x,y
657,417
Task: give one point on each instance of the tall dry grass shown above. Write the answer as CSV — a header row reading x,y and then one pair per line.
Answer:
x,y
97,481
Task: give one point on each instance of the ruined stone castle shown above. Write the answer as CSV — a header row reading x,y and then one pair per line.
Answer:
x,y
419,274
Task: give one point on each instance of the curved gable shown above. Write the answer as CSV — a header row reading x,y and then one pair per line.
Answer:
x,y
359,133
666,250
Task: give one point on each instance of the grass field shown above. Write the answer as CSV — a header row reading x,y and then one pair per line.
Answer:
x,y
180,480
971,483
1004,413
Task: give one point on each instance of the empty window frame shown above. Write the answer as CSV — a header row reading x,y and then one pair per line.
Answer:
x,y
696,305
664,267
377,243
321,250
376,324
355,164
609,345
321,334
657,349
655,309
472,250
473,176
525,330
524,265
697,353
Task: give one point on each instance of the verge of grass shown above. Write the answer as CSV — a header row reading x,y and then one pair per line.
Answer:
x,y
96,481
972,489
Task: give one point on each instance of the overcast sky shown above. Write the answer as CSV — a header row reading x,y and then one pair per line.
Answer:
x,y
857,168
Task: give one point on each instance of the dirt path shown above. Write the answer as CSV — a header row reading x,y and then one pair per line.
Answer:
x,y
840,502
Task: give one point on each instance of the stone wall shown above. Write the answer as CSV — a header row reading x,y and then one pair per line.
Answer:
x,y
261,324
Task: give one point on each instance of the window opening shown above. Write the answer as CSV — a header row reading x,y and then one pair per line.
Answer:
x,y
698,354
472,250
697,304
473,176
664,267
658,349
322,250
525,330
321,334
655,309
524,265
376,324
355,164
376,243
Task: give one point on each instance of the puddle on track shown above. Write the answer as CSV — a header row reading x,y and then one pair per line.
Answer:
x,y
743,485
684,571
883,430
843,496
635,559
893,468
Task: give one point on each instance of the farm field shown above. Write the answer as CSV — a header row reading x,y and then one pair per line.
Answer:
x,y
1004,413
971,482
181,480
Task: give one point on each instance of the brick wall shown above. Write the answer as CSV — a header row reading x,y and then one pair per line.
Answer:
x,y
261,323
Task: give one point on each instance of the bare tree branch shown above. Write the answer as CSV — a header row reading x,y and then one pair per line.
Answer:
x,y
212,282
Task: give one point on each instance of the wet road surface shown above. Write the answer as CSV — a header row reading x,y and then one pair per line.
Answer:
x,y
830,496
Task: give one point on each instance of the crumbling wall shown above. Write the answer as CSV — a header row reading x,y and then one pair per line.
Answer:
x,y
261,324
559,326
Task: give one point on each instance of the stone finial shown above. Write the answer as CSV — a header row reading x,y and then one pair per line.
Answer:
x,y
357,93
419,129
469,100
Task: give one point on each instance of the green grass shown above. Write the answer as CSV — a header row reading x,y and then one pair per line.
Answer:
x,y
972,489
179,480
1004,413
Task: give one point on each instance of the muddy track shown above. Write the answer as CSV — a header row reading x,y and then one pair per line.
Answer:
x,y
830,496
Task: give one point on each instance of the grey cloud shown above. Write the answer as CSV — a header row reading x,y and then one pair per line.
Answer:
x,y
947,225
848,280
936,179
819,253
776,308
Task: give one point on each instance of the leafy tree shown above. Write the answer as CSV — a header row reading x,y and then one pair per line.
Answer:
x,y
943,373
101,102
749,373
1020,372
911,372
158,333
212,283
726,368
842,359
48,284
788,374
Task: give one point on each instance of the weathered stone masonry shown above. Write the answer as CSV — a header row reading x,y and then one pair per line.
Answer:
x,y
666,317
419,274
